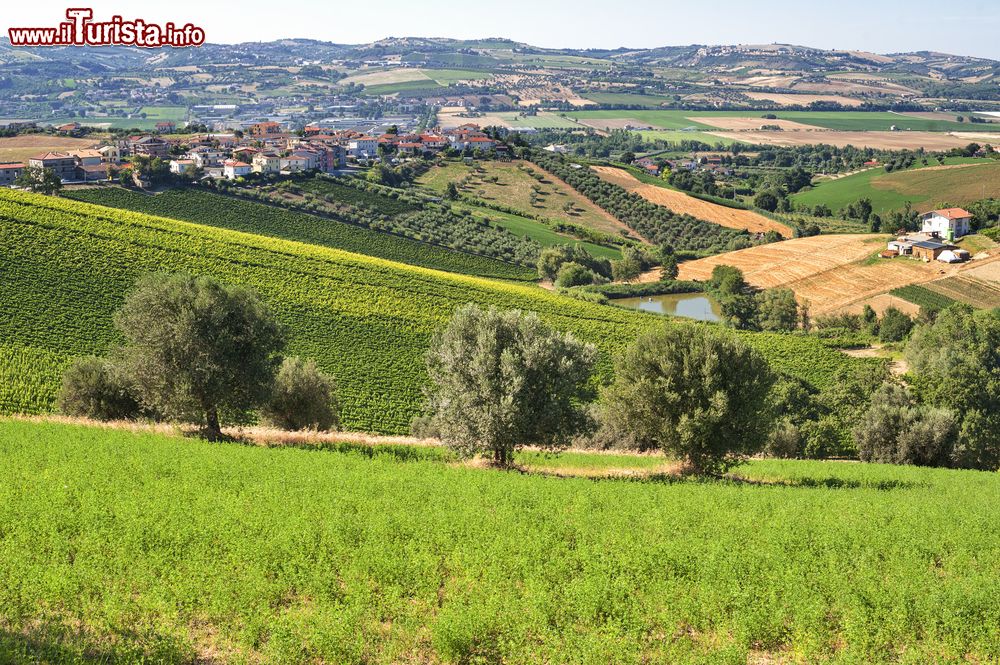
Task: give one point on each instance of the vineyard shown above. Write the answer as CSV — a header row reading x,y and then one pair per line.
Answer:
x,y
67,266
138,547
981,293
252,217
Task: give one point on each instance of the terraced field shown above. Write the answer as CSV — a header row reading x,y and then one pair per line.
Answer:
x,y
685,204
67,266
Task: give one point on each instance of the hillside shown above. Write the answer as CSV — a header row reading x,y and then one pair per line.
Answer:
x,y
67,266
253,217
118,546
957,182
685,204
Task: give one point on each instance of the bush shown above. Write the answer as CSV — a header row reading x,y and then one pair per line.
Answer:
x,y
895,431
501,380
694,392
95,388
303,397
573,274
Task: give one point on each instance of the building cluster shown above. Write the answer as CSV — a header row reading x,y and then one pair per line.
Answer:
x,y
264,148
939,229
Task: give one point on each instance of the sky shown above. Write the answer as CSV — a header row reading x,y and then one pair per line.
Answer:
x,y
967,27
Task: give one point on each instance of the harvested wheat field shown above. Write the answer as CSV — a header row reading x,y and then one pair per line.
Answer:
x,y
21,148
796,100
832,272
751,123
876,139
682,203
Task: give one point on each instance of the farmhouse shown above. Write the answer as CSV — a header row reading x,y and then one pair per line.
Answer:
x,y
264,162
62,163
949,223
181,166
165,127
150,146
232,169
10,172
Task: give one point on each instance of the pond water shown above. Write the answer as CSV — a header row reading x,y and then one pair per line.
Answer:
x,y
689,305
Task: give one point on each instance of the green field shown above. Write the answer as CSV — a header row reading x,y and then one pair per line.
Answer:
x,y
839,120
542,120
436,78
160,113
923,297
541,233
513,189
626,99
134,547
68,265
923,187
267,220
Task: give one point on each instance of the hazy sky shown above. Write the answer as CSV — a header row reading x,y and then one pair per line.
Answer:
x,y
966,27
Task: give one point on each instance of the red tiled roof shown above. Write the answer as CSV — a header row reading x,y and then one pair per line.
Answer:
x,y
952,213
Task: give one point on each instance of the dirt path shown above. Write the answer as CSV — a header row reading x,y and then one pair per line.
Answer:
x,y
898,366
681,203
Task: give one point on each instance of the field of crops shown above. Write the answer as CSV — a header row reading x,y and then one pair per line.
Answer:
x,y
123,547
923,296
67,266
359,197
959,181
981,293
835,120
241,215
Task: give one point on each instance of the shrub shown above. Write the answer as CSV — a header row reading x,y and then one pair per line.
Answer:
x,y
501,380
895,431
573,274
94,388
693,392
303,397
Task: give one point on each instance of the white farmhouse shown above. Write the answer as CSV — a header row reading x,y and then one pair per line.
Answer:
x,y
232,169
949,223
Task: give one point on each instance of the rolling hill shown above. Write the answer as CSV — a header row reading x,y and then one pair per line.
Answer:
x,y
67,265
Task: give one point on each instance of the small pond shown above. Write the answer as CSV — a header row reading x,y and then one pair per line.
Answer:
x,y
689,305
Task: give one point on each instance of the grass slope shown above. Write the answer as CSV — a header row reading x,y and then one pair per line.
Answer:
x,y
514,187
240,215
123,547
68,265
963,181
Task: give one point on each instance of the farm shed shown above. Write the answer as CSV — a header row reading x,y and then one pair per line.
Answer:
x,y
929,250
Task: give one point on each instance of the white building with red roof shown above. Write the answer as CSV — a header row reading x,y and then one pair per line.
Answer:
x,y
947,223
233,168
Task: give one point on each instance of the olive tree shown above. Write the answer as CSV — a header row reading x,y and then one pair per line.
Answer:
x,y
501,380
694,392
195,347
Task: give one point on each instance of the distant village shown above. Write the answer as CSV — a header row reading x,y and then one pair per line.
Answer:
x,y
262,148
